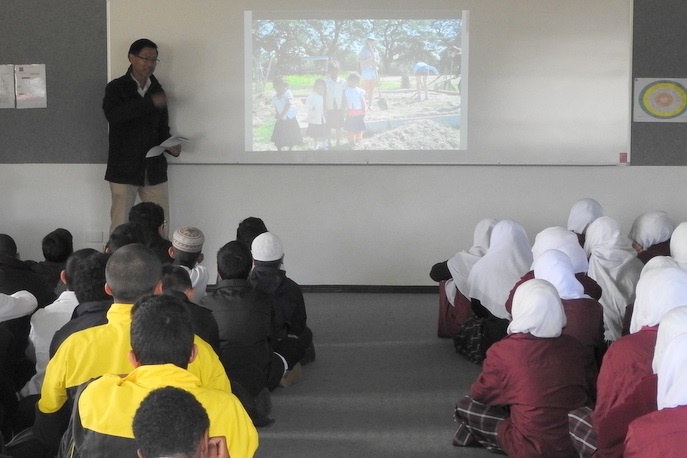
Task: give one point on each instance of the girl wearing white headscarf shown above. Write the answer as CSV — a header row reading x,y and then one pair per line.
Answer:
x,y
650,234
662,433
582,214
537,373
509,257
678,245
462,262
629,359
584,314
613,264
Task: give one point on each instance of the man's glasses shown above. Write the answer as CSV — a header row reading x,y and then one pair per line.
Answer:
x,y
152,60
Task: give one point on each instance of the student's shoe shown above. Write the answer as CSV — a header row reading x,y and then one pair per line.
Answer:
x,y
309,355
292,376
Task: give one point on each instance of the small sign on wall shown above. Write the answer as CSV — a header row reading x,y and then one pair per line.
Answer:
x,y
30,86
660,100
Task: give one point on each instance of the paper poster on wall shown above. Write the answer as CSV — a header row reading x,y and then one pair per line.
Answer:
x,y
30,86
7,86
660,100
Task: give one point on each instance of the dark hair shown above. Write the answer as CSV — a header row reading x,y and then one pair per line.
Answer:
x,y
88,276
8,247
234,261
57,245
161,331
175,278
150,216
185,258
353,76
279,80
138,45
72,262
169,421
125,234
132,272
250,228
270,264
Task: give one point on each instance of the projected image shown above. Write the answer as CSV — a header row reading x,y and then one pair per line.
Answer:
x,y
357,84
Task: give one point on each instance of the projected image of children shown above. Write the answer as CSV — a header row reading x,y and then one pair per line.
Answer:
x,y
409,89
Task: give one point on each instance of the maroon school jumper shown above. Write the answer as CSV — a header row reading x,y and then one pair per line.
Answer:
x,y
541,380
626,363
658,434
613,429
585,322
591,287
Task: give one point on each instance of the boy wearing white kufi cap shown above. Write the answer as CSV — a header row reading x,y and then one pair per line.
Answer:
x,y
187,252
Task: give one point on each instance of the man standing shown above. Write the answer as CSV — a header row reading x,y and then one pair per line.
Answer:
x,y
135,106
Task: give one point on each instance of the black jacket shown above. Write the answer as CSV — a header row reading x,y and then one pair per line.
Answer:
x,y
136,125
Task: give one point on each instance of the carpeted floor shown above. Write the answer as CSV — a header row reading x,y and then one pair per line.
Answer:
x,y
383,384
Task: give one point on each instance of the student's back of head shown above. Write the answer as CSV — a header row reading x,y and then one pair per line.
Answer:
x,y
150,216
161,331
170,422
57,245
88,276
250,228
132,272
234,261
187,246
267,250
123,235
8,246
72,263
175,278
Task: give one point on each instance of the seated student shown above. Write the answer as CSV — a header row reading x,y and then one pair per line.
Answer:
x,y
250,228
558,238
171,422
245,318
678,245
124,234
290,315
583,213
57,246
584,315
642,400
88,282
16,275
529,382
47,321
162,347
508,258
454,307
613,264
151,217
662,433
628,359
176,282
132,272
650,234
187,252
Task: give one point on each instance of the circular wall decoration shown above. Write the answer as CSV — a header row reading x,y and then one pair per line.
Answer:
x,y
664,99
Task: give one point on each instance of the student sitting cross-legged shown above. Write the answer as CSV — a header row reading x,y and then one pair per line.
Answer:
x,y
162,347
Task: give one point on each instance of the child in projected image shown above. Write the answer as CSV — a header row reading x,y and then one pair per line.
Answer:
x,y
317,123
287,131
356,107
333,100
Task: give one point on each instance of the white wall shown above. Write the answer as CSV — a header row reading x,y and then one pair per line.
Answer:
x,y
364,225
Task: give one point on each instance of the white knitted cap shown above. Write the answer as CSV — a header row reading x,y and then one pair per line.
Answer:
x,y
267,247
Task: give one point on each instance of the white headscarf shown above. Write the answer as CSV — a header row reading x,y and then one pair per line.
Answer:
x,y
582,214
555,267
537,309
509,257
652,228
673,323
672,375
678,245
613,264
561,239
463,261
658,291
